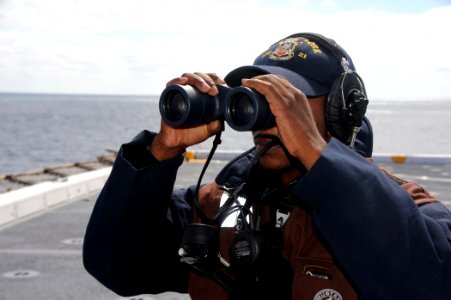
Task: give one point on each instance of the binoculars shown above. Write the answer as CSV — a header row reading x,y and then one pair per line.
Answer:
x,y
244,109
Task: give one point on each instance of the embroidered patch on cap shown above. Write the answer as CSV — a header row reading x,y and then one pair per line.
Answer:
x,y
328,294
285,49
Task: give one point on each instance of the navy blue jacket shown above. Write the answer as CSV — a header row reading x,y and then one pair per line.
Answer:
x,y
390,247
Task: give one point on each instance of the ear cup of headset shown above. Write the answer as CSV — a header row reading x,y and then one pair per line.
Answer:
x,y
246,248
346,106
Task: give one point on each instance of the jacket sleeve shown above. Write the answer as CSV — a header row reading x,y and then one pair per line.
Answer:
x,y
135,229
389,247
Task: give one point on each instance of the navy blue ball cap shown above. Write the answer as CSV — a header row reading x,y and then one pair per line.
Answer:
x,y
310,62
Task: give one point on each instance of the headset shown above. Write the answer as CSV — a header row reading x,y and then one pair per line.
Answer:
x,y
347,101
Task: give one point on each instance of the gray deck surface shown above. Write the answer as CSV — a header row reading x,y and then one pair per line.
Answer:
x,y
40,257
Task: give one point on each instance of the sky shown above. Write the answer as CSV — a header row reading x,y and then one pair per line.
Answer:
x,y
401,48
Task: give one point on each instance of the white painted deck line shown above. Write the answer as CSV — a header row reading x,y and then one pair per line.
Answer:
x,y
32,199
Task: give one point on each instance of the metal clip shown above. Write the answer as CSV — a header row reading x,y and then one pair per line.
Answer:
x,y
345,65
281,218
223,261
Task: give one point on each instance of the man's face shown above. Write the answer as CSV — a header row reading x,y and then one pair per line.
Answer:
x,y
275,158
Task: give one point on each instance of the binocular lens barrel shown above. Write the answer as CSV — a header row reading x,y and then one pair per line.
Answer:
x,y
247,110
242,108
185,106
176,106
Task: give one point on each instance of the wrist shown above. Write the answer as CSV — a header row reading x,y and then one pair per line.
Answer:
x,y
310,153
161,151
316,153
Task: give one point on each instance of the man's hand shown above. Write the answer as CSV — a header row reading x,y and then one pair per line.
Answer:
x,y
296,123
171,142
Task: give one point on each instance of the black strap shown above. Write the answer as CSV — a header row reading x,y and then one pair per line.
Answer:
x,y
199,210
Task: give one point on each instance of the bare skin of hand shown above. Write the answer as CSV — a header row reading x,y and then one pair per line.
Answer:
x,y
171,142
295,121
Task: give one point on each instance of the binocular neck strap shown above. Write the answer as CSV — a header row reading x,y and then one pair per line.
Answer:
x,y
199,209
276,141
295,163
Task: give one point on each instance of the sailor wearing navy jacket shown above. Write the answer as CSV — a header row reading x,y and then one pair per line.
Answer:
x,y
314,218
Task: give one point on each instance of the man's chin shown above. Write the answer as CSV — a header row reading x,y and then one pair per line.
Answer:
x,y
274,162
281,168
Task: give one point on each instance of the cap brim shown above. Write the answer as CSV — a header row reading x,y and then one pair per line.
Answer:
x,y
309,87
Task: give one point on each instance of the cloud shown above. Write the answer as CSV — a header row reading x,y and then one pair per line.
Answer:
x,y
137,46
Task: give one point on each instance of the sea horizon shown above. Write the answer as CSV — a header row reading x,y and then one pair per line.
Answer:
x,y
376,99
46,129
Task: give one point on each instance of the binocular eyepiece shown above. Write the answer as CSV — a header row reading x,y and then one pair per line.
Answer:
x,y
242,108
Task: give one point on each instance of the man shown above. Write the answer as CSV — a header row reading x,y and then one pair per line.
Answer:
x,y
320,221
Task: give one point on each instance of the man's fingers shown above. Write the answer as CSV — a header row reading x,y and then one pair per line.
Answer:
x,y
261,86
211,79
178,80
197,81
216,78
205,82
272,87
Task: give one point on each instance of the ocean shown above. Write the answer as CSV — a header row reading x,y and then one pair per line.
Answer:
x,y
42,130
